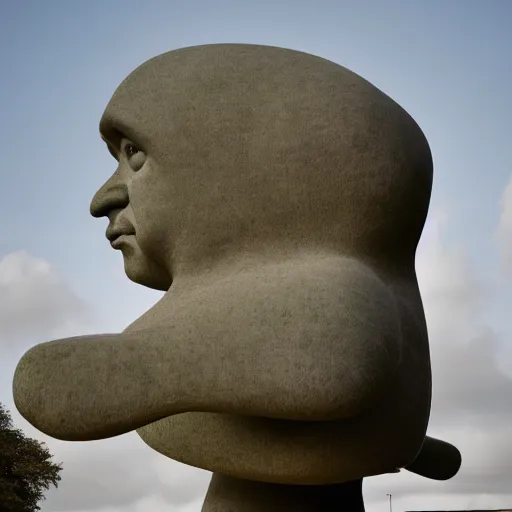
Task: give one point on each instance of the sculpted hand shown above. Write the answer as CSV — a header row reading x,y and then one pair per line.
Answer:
x,y
437,460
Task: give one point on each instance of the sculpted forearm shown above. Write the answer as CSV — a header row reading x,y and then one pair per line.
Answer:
x,y
281,362
82,388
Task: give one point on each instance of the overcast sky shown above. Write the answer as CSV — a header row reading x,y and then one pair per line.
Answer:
x,y
447,62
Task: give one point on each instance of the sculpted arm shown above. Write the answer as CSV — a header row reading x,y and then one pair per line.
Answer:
x,y
299,340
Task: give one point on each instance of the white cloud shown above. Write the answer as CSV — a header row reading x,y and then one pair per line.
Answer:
x,y
36,302
467,378
504,231
152,504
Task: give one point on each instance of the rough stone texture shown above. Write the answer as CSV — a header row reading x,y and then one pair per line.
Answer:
x,y
278,199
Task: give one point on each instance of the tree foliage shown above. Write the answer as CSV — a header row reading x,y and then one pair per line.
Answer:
x,y
26,468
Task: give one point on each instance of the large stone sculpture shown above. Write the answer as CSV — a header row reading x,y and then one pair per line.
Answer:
x,y
278,199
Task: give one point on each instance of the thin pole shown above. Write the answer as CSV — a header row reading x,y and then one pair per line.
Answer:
x,y
390,504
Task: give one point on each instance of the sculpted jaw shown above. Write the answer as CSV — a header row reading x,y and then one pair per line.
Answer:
x,y
292,157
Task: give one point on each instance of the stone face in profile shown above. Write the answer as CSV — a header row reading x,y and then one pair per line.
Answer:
x,y
278,199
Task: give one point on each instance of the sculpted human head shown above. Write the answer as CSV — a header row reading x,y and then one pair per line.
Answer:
x,y
232,151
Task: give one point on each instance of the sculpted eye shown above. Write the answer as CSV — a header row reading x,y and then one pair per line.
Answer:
x,y
134,156
131,150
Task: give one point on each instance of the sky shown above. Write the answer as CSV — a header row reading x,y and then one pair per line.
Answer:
x,y
446,62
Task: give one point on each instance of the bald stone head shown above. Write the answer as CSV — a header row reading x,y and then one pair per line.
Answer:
x,y
241,151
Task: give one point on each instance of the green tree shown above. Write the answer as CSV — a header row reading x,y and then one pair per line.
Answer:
x,y
26,468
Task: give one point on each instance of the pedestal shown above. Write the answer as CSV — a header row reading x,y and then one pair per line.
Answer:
x,y
227,494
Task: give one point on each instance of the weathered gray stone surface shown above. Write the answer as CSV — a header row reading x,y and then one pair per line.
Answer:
x,y
278,199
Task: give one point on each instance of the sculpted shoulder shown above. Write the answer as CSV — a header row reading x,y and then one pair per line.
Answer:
x,y
332,315
306,282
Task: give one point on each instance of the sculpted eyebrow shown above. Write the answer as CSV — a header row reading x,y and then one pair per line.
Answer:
x,y
113,152
112,148
113,130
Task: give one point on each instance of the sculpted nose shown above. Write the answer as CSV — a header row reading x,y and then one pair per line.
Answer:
x,y
113,195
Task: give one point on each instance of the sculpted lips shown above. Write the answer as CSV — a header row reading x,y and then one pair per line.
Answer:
x,y
115,232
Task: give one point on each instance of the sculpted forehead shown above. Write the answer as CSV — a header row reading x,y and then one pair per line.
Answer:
x,y
317,144
243,87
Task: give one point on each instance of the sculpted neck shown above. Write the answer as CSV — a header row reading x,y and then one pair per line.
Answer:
x,y
232,494
189,275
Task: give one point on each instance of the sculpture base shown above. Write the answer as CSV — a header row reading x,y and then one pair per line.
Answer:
x,y
227,494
